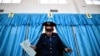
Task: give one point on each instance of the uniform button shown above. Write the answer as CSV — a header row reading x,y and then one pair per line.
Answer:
x,y
50,51
50,48
50,44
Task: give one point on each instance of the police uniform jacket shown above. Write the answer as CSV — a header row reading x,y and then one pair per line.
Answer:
x,y
49,46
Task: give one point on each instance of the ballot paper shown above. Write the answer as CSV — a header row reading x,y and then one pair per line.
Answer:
x,y
26,46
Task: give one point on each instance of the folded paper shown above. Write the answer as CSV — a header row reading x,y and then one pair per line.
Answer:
x,y
26,46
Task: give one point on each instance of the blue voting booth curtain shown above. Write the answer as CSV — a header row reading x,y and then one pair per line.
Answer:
x,y
15,30
77,31
10,39
67,37
88,38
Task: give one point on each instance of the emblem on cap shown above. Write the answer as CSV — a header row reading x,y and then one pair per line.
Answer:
x,y
48,23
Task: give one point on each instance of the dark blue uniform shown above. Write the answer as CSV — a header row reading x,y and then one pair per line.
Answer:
x,y
49,46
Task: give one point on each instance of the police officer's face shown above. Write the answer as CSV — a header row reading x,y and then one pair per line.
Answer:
x,y
49,30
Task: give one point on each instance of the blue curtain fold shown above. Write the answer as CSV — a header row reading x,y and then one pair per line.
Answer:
x,y
10,38
76,31
15,30
88,38
76,19
67,37
34,33
23,19
63,19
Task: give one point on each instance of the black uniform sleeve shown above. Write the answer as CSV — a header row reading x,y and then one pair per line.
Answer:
x,y
61,46
39,45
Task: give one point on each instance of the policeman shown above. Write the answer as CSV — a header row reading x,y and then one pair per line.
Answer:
x,y
49,43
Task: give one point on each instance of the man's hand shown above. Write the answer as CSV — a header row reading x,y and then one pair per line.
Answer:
x,y
33,47
68,50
